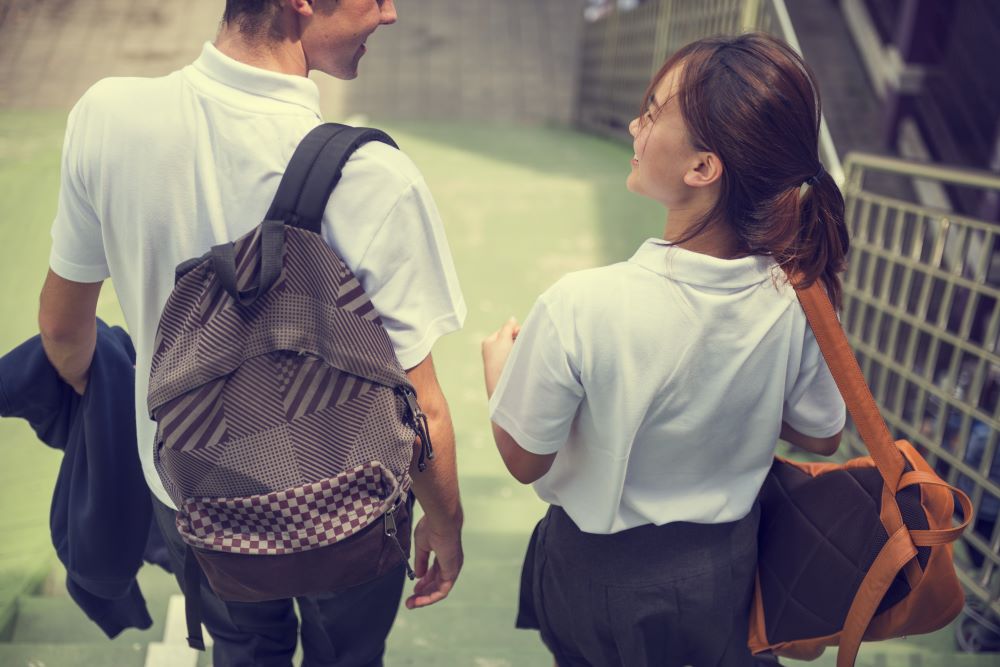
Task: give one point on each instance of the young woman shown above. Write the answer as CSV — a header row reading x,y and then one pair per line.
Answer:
x,y
644,399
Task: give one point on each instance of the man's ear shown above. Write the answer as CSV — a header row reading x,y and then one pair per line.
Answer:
x,y
706,170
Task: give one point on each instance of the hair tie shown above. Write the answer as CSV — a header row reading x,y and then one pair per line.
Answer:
x,y
814,179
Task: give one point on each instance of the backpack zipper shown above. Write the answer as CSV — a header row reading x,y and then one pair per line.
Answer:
x,y
419,422
390,531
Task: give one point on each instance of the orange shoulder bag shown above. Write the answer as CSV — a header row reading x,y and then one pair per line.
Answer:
x,y
858,550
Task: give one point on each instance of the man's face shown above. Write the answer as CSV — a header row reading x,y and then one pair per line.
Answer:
x,y
334,38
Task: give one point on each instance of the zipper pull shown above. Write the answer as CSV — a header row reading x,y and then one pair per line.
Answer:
x,y
390,531
419,422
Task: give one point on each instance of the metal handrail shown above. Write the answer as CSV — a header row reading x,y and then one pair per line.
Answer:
x,y
976,178
827,149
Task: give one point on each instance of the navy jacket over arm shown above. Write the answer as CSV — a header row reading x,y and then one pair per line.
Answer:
x,y
101,509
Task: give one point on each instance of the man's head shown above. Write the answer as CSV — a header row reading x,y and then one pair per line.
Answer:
x,y
331,33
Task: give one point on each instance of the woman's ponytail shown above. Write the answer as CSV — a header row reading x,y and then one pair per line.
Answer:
x,y
823,241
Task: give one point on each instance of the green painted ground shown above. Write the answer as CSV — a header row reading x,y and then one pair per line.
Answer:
x,y
523,206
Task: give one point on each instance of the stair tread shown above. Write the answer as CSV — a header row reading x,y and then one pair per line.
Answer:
x,y
72,654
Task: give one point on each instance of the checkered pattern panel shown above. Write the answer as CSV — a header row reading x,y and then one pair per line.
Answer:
x,y
292,520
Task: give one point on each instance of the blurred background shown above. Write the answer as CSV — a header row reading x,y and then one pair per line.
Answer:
x,y
516,111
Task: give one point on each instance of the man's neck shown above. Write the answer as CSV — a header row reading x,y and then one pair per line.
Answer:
x,y
285,56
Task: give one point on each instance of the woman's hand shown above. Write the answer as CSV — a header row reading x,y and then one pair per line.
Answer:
x,y
496,349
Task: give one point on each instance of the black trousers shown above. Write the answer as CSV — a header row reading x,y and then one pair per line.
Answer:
x,y
346,629
656,596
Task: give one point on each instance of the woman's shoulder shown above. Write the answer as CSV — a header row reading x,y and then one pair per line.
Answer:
x,y
588,286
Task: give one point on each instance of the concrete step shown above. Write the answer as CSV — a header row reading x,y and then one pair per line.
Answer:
x,y
53,617
57,620
72,655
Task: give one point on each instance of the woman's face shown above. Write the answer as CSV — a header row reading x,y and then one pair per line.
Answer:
x,y
663,151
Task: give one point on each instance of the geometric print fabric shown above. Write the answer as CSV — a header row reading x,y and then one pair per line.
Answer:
x,y
297,519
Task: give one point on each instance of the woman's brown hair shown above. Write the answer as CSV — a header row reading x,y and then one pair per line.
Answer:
x,y
753,101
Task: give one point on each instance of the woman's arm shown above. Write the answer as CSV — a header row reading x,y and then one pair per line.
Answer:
x,y
822,446
522,464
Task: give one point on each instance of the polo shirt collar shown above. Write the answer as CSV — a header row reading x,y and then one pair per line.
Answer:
x,y
289,88
694,268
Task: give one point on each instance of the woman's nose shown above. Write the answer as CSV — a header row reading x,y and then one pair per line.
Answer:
x,y
633,127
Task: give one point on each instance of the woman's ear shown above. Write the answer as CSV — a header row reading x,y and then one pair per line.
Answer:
x,y
301,7
706,170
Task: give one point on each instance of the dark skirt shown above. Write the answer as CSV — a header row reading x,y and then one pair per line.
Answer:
x,y
663,596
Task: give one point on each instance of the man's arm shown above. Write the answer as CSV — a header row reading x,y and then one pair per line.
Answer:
x,y
440,529
67,320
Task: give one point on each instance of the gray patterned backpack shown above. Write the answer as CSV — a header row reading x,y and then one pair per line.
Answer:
x,y
285,424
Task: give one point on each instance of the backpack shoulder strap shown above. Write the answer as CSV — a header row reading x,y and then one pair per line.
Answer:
x,y
315,169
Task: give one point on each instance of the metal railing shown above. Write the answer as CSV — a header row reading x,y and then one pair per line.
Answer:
x,y
922,292
621,53
922,312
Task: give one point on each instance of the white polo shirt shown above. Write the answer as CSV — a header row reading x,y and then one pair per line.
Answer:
x,y
156,171
662,383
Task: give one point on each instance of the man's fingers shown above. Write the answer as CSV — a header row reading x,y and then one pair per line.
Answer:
x,y
431,588
436,593
420,560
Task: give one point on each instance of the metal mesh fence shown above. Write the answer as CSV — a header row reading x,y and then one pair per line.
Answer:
x,y
921,312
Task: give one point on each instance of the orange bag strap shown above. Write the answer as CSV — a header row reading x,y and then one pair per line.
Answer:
x,y
851,382
931,538
901,547
894,555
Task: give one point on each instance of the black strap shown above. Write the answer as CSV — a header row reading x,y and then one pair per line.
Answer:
x,y
315,169
272,249
305,187
312,173
192,600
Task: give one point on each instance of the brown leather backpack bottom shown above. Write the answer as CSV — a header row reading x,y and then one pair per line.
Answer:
x,y
369,554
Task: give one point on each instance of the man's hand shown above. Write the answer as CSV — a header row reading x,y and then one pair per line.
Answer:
x,y
435,582
496,349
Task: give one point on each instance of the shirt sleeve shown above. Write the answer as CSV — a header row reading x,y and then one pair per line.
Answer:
x,y
539,391
77,252
409,275
814,406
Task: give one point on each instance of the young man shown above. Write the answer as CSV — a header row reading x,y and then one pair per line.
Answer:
x,y
156,171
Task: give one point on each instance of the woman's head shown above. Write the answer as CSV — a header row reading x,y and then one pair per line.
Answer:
x,y
729,128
